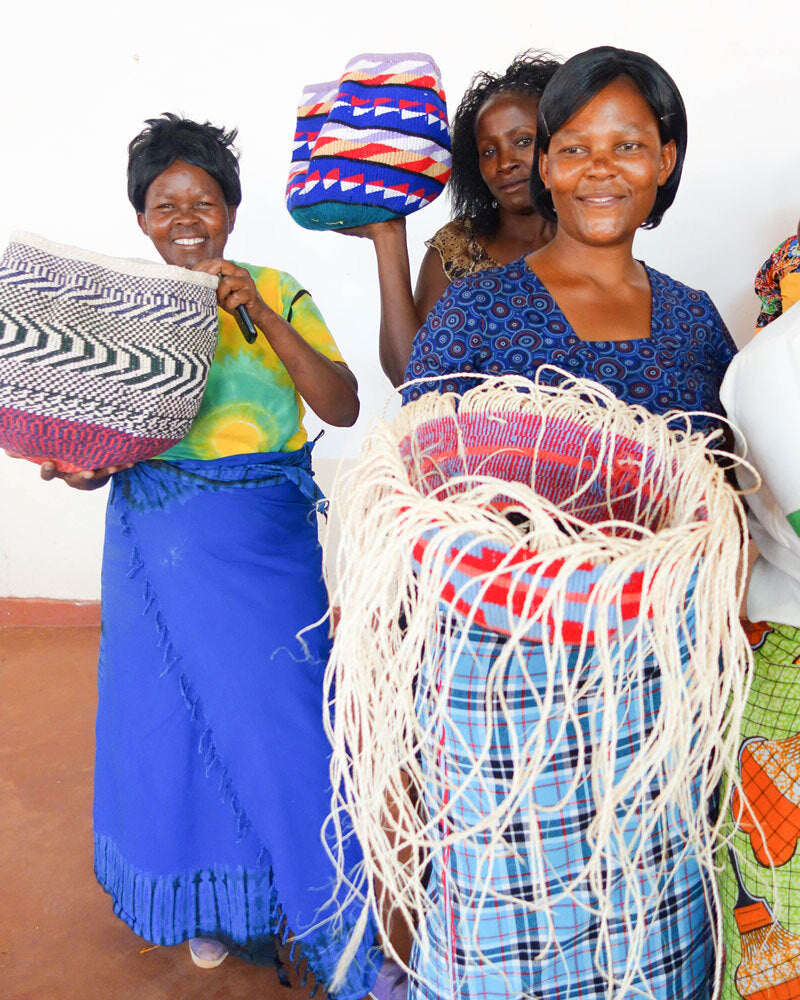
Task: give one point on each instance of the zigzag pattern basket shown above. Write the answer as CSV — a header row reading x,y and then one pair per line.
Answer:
x,y
103,360
384,149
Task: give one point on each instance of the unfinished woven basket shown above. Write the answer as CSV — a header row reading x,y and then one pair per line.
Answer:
x,y
537,687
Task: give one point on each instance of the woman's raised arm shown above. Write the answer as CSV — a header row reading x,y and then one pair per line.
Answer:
x,y
402,311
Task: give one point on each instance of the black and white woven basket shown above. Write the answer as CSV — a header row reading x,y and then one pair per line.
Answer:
x,y
103,360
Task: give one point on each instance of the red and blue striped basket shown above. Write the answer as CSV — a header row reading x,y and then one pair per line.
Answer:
x,y
383,150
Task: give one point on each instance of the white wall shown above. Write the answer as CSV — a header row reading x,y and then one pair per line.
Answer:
x,y
77,81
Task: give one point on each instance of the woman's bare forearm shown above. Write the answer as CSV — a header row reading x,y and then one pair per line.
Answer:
x,y
403,311
400,320
329,387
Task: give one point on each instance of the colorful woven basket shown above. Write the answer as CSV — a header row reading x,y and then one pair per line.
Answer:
x,y
569,464
384,150
548,655
103,360
315,106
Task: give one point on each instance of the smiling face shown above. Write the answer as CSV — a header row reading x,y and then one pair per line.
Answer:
x,y
505,132
603,168
185,215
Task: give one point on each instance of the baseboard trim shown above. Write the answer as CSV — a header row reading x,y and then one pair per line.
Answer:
x,y
36,612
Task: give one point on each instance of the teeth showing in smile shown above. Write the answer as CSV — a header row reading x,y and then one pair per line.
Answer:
x,y
607,200
189,241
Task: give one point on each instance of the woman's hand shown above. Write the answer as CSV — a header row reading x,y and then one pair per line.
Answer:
x,y
84,479
376,231
236,287
329,387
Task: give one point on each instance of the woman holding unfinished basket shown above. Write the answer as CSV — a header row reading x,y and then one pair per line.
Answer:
x,y
611,142
611,139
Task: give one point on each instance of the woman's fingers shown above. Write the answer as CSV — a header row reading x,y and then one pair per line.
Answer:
x,y
214,265
364,232
236,286
83,479
241,296
223,268
373,230
238,291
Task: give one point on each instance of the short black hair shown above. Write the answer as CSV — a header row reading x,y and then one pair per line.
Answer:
x,y
583,77
170,138
470,199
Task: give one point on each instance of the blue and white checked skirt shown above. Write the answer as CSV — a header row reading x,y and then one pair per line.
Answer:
x,y
487,940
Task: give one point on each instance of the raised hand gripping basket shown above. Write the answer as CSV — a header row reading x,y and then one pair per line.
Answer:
x,y
384,150
103,360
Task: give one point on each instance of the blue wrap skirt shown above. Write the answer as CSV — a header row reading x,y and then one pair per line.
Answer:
x,y
211,779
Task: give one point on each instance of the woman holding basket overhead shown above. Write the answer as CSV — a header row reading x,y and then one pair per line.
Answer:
x,y
494,221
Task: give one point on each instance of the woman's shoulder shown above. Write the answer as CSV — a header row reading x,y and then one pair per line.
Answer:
x,y
690,314
493,283
277,288
671,293
785,255
264,274
455,230
459,249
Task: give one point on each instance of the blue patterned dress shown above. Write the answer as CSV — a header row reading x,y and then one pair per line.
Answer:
x,y
504,321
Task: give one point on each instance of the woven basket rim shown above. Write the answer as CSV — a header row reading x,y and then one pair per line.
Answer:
x,y
136,266
327,85
394,57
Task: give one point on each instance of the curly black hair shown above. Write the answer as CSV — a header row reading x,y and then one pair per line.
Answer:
x,y
528,74
170,138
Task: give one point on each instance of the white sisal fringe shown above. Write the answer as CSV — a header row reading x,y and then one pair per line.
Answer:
x,y
397,636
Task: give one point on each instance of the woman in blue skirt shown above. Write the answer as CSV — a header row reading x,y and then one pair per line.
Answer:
x,y
211,781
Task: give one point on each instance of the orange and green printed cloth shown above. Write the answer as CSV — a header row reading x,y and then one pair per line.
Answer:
x,y
760,896
251,403
777,283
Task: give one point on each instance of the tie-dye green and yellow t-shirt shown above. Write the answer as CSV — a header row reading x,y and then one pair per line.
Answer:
x,y
250,403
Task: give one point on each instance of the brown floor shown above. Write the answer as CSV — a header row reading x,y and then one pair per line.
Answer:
x,y
59,939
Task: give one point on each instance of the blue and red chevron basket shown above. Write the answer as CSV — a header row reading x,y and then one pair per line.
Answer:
x,y
103,360
372,148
